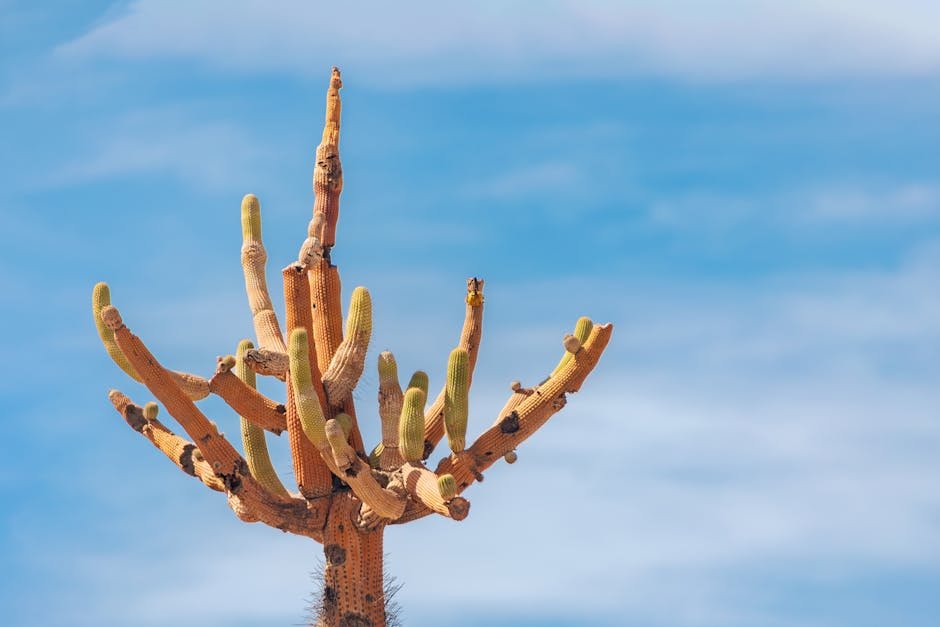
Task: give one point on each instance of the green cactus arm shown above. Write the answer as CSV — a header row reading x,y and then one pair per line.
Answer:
x,y
194,386
411,424
305,398
419,380
253,438
247,497
456,401
254,257
347,363
582,329
470,337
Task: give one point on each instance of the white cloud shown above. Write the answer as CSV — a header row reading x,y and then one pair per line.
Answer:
x,y
427,42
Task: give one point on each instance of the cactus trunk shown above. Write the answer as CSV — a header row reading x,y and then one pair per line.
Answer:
x,y
353,581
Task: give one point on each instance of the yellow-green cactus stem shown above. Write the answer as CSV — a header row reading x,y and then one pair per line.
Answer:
x,y
308,405
345,421
447,486
419,380
101,298
151,410
347,364
253,438
251,218
375,455
411,425
582,329
455,399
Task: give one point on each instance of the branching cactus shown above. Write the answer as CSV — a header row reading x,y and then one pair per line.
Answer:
x,y
344,499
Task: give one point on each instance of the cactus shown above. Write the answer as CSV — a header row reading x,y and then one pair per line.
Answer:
x,y
348,361
455,399
346,500
308,405
419,380
253,439
447,486
411,424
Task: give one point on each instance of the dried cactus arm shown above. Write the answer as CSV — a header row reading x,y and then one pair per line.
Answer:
x,y
194,386
249,403
328,172
254,258
347,364
470,336
179,450
511,430
253,438
267,363
313,475
357,473
249,500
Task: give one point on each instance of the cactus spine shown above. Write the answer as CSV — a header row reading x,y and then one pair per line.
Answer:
x,y
455,399
411,424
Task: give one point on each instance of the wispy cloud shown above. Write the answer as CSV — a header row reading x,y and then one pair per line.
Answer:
x,y
493,41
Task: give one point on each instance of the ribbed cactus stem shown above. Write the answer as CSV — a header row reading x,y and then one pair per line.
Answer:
x,y
253,438
347,364
455,399
390,398
582,329
345,421
343,454
308,406
411,424
101,298
419,380
447,486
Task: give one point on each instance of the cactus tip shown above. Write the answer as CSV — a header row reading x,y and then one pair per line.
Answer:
x,y
151,410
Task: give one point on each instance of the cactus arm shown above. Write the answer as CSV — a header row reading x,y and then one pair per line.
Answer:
x,y
239,393
179,450
343,455
254,257
470,336
456,403
349,360
582,329
313,475
390,402
267,363
383,501
246,496
328,172
194,386
423,485
511,430
253,438
411,425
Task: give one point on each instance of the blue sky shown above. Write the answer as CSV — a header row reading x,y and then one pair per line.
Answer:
x,y
749,191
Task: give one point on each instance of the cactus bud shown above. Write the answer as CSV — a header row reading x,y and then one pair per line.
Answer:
x,y
582,329
511,457
455,399
447,486
150,410
419,380
411,425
